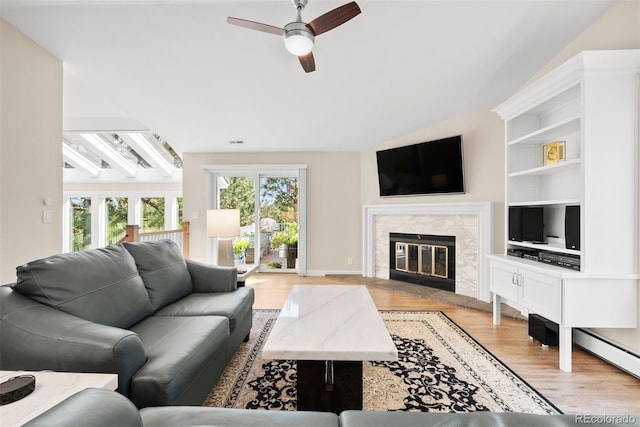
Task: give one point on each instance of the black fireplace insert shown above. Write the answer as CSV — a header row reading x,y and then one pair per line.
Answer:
x,y
423,259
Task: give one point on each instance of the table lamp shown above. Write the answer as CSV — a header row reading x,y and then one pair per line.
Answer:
x,y
224,224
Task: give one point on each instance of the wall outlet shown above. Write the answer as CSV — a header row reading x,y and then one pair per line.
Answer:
x,y
349,261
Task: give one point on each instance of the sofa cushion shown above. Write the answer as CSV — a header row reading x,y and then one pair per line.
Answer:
x,y
232,305
163,270
178,350
93,407
353,418
171,416
101,285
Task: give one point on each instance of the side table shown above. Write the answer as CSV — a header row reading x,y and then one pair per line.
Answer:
x,y
51,389
244,271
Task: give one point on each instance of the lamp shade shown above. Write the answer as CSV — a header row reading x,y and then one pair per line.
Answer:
x,y
223,222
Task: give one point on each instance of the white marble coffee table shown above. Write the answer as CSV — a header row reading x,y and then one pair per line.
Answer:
x,y
330,330
51,389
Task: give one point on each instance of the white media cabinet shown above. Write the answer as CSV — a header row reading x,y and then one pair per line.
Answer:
x,y
591,102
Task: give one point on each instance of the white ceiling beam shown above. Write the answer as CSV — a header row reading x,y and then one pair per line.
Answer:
x,y
150,153
144,176
111,155
79,161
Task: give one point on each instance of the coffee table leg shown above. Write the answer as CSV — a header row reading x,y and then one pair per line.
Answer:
x,y
329,386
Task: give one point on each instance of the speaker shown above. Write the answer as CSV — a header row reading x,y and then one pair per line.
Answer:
x,y
533,224
515,224
572,227
526,223
543,330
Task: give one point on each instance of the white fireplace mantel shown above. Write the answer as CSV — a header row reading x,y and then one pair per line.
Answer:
x,y
483,211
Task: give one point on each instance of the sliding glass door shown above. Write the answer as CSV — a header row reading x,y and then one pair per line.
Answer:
x,y
269,222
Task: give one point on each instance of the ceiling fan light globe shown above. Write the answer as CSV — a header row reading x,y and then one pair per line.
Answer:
x,y
298,42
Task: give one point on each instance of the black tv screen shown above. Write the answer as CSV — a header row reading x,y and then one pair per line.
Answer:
x,y
426,168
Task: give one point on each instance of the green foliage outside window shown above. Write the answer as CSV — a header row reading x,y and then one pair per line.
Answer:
x,y
239,195
152,214
117,215
81,222
179,201
279,199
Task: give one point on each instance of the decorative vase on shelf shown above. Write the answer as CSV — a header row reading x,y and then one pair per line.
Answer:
x,y
240,259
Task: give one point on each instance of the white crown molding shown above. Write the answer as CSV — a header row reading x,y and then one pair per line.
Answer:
x,y
567,75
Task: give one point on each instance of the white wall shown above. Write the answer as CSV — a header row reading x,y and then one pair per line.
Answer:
x,y
333,205
30,154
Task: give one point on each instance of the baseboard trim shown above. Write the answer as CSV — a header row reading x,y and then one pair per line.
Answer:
x,y
333,272
624,359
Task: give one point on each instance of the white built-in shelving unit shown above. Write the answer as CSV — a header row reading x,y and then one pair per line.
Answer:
x,y
591,103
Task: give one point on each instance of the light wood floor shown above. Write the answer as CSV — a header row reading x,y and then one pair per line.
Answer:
x,y
594,387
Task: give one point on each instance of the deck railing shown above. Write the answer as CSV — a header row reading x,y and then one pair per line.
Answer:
x,y
180,236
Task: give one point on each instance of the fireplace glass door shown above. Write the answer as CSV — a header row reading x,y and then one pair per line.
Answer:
x,y
428,260
407,257
401,256
440,261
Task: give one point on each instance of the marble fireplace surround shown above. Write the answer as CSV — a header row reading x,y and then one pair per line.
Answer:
x,y
470,222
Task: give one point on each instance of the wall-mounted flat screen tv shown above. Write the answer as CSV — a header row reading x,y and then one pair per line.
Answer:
x,y
432,167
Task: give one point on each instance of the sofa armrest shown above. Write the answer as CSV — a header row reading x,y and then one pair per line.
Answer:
x,y
38,337
90,407
208,278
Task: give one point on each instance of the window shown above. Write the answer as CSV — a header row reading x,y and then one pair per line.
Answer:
x,y
152,214
92,219
116,218
80,208
179,203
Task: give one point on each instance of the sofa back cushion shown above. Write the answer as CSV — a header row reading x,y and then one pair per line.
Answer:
x,y
163,270
100,285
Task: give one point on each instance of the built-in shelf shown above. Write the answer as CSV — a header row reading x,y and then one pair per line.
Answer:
x,y
558,202
545,247
549,133
545,170
591,103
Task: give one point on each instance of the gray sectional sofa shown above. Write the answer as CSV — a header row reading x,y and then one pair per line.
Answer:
x,y
103,408
167,326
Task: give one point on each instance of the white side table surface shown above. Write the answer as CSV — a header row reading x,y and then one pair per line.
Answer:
x,y
51,389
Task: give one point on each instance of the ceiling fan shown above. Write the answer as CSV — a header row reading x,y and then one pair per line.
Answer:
x,y
299,36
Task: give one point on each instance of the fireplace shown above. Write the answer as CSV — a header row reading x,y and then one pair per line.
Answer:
x,y
470,222
423,259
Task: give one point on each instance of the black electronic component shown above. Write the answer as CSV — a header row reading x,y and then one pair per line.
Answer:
x,y
15,388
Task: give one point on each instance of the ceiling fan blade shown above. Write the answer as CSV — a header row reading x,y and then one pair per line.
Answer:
x,y
307,62
265,28
333,18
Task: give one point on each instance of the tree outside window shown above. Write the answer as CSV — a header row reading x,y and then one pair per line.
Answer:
x,y
152,214
179,202
117,214
81,223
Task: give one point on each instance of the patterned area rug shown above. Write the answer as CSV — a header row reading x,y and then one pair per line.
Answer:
x,y
439,369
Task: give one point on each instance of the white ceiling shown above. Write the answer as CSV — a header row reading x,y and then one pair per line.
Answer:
x,y
177,68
